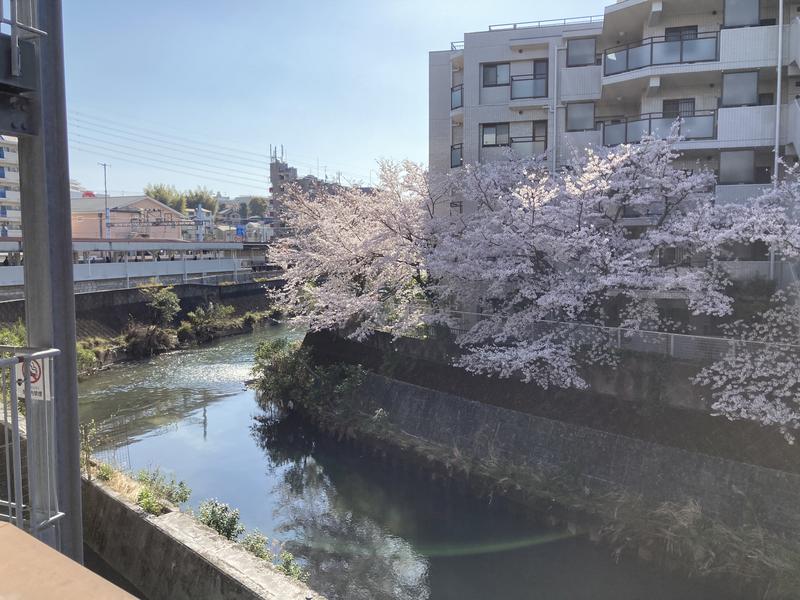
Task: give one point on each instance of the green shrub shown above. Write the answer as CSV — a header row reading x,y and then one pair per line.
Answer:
x,y
250,319
186,333
256,543
289,566
87,359
104,472
149,502
142,341
206,321
221,517
176,492
13,335
163,303
286,375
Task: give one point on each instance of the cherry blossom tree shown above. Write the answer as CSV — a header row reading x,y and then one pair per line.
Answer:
x,y
605,242
355,258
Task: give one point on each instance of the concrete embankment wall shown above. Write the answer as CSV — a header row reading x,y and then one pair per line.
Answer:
x,y
601,461
644,446
106,313
173,557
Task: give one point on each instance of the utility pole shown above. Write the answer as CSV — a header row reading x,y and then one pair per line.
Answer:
x,y
105,187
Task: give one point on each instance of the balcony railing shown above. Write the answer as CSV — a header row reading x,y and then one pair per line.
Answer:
x,y
662,51
456,96
701,125
529,86
549,23
456,45
528,146
456,156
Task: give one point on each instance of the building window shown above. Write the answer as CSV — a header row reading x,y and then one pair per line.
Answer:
x,y
672,109
766,99
737,166
580,116
740,89
495,134
2,192
676,34
742,13
533,85
581,52
496,74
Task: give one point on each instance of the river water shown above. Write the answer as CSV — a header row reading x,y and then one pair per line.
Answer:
x,y
361,530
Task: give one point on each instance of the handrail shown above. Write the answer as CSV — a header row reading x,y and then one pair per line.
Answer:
x,y
548,23
618,59
661,38
528,76
456,46
609,124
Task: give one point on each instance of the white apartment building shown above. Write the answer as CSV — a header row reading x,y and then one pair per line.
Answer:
x,y
10,215
562,86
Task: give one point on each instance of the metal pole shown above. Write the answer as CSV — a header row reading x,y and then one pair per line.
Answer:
x,y
778,92
49,292
106,216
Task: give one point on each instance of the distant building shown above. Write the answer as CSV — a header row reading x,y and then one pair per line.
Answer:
x,y
10,215
129,217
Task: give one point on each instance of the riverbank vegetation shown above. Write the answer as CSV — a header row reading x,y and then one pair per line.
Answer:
x,y
677,535
156,493
286,377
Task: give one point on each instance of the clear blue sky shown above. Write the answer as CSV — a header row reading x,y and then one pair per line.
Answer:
x,y
192,92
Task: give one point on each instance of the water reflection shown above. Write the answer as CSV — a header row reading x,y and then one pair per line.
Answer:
x,y
364,531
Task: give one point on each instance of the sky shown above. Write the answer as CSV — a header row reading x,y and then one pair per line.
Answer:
x,y
192,92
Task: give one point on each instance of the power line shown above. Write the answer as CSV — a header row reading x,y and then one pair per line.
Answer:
x,y
138,154
250,174
159,167
131,134
98,120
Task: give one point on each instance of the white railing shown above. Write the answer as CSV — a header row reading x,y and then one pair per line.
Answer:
x,y
28,496
695,348
549,23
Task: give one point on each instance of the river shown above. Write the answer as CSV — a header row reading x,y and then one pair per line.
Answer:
x,y
361,530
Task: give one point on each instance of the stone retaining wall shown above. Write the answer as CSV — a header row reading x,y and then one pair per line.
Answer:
x,y
731,491
173,557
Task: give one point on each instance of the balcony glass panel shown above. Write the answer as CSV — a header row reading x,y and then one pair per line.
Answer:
x,y
455,155
639,57
616,62
662,51
614,134
456,99
698,127
636,129
661,126
525,147
700,50
665,53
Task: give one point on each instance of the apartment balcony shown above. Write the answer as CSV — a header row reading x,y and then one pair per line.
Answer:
x,y
520,146
528,90
456,97
11,176
657,51
699,126
580,83
456,155
739,193
528,146
736,48
748,126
